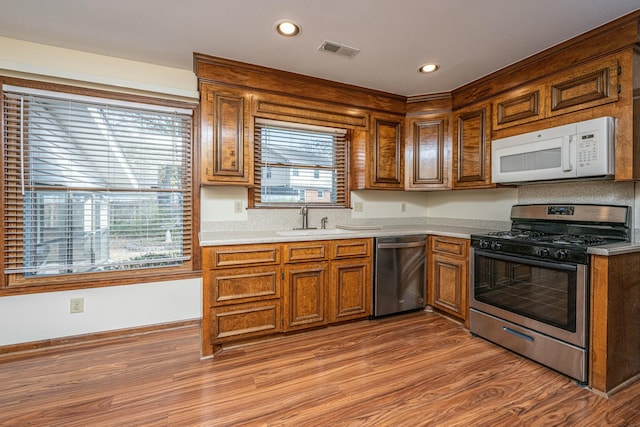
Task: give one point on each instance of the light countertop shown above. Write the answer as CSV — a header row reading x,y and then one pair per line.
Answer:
x,y
216,238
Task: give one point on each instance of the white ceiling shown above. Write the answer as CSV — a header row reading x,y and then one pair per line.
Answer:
x,y
467,38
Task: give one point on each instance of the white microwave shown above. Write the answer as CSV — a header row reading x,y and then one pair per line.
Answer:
x,y
578,150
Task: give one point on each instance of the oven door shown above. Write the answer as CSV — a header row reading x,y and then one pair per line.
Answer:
x,y
544,296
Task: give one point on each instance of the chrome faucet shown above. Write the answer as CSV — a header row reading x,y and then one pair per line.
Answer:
x,y
304,211
323,222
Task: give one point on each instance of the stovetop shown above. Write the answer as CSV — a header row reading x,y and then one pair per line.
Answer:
x,y
557,232
541,238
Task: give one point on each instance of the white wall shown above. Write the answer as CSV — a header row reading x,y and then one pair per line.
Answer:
x,y
486,204
48,63
37,317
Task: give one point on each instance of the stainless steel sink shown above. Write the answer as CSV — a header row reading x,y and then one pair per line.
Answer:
x,y
313,232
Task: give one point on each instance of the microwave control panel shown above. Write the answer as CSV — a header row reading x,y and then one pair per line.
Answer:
x,y
587,149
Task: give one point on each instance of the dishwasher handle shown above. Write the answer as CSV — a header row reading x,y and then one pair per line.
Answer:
x,y
401,245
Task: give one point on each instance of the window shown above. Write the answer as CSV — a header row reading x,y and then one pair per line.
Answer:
x,y
294,163
94,185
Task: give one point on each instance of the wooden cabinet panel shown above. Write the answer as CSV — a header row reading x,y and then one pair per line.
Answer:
x,y
447,294
350,292
306,251
351,248
615,310
245,320
584,87
448,270
472,151
240,285
245,255
226,155
305,295
451,246
386,159
518,107
253,291
427,153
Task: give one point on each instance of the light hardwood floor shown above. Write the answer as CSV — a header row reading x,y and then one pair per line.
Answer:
x,y
408,370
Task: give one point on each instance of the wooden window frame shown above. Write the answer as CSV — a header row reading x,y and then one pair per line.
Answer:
x,y
14,285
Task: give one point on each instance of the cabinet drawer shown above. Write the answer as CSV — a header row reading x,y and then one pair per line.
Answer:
x,y
449,245
245,255
233,286
307,251
350,248
245,320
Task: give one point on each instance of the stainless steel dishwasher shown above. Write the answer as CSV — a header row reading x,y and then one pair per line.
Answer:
x,y
399,282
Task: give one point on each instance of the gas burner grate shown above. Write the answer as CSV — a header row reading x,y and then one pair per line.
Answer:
x,y
574,240
518,234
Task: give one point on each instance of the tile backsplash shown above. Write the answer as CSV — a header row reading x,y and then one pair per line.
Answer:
x,y
596,192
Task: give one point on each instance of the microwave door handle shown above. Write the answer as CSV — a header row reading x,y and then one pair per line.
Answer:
x,y
565,154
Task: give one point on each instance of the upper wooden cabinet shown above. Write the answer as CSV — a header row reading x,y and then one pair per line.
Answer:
x,y
518,107
377,154
472,147
579,88
386,153
226,155
428,153
584,87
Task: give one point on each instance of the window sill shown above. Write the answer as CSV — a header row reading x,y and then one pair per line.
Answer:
x,y
96,280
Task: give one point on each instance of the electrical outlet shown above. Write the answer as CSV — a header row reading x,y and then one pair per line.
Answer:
x,y
76,305
237,206
403,207
357,206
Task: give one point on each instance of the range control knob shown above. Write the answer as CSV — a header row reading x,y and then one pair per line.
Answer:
x,y
495,246
484,244
561,255
544,252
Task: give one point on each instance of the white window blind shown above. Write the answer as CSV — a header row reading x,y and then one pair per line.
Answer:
x,y
94,185
299,164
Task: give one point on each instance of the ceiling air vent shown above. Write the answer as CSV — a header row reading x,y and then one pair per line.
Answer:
x,y
339,49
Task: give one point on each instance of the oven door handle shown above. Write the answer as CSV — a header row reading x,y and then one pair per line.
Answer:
x,y
528,261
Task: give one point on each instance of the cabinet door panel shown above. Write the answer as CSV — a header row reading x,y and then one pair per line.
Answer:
x,y
427,154
448,292
472,151
226,156
518,107
387,155
585,87
448,269
351,285
305,295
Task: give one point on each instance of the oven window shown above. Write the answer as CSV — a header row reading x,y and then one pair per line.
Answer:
x,y
542,293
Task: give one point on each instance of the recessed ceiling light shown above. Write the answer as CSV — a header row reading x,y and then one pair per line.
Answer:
x,y
428,68
287,28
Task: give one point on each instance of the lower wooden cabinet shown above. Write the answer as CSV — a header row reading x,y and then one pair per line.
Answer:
x,y
251,291
305,292
448,284
244,320
350,289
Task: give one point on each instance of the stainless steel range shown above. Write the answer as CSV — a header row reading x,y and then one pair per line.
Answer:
x,y
530,285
